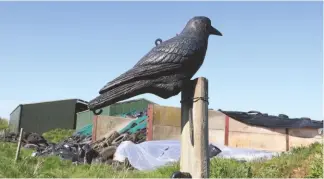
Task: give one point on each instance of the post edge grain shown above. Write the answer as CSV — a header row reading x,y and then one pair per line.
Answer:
x,y
226,130
94,128
149,127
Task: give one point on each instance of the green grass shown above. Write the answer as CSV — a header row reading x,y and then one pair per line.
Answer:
x,y
316,163
301,162
294,165
57,135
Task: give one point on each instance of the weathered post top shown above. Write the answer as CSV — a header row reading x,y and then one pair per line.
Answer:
x,y
194,159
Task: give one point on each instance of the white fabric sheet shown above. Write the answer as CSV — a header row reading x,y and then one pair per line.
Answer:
x,y
150,155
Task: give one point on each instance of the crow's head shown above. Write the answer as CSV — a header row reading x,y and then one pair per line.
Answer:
x,y
201,24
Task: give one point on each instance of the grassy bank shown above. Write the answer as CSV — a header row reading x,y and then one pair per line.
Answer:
x,y
301,162
57,135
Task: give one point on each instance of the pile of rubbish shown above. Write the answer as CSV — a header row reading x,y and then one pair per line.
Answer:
x,y
29,140
79,148
135,114
73,148
125,150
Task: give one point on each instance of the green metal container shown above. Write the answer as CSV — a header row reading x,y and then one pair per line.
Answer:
x,y
44,116
14,119
129,106
86,117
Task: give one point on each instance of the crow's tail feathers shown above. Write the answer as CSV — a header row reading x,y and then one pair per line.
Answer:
x,y
117,94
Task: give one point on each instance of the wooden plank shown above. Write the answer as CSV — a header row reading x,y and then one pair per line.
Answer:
x,y
171,116
94,128
259,141
226,130
166,115
19,144
166,133
238,126
106,125
200,126
304,137
287,139
149,127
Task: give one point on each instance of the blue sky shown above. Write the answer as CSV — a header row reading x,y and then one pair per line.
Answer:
x,y
269,59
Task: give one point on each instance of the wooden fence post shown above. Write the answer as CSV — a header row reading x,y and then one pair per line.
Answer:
x,y
94,128
19,144
287,139
194,157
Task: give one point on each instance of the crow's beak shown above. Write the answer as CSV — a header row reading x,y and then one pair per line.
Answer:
x,y
214,31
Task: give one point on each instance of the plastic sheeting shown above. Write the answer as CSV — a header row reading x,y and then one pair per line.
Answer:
x,y
150,155
86,130
271,121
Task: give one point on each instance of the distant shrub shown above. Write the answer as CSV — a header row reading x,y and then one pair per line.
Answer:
x,y
3,123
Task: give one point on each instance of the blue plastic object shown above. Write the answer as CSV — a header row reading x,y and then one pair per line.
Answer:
x,y
135,125
86,130
132,127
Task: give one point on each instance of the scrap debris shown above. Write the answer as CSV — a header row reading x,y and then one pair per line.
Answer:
x,y
78,148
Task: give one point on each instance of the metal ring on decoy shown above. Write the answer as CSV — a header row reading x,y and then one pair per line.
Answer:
x,y
158,40
97,113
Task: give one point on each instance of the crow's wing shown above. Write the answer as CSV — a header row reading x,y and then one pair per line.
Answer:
x,y
168,57
141,72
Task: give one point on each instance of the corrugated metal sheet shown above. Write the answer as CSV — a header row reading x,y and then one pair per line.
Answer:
x,y
44,116
129,106
85,118
14,119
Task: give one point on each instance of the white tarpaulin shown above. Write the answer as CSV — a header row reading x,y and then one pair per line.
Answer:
x,y
150,155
